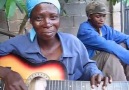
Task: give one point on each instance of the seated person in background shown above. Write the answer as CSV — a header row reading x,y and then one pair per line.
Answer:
x,y
44,43
104,44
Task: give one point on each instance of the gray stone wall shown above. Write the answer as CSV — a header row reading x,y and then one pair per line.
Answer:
x,y
75,15
3,25
75,10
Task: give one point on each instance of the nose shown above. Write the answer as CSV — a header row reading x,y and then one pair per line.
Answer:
x,y
102,19
46,23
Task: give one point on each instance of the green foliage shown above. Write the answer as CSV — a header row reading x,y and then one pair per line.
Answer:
x,y
126,2
123,1
21,5
114,1
10,7
2,3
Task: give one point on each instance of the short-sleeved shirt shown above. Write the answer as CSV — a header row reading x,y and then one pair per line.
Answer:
x,y
108,42
74,56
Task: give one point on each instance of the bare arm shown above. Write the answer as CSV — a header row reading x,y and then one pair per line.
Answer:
x,y
12,80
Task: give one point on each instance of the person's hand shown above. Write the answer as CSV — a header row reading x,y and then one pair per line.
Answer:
x,y
98,78
13,81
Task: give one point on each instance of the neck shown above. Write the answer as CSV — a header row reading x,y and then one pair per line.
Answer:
x,y
98,30
51,49
95,27
47,44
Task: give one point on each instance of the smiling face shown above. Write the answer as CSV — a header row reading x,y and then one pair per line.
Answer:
x,y
45,20
97,19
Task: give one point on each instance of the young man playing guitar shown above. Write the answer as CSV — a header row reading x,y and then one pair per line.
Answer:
x,y
44,43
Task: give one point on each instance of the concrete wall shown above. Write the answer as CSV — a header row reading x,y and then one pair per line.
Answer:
x,y
3,25
117,17
75,10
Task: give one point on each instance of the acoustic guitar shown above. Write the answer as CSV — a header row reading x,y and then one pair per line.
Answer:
x,y
54,74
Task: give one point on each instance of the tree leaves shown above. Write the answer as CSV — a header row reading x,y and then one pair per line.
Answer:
x,y
2,3
123,1
21,5
10,8
114,1
126,2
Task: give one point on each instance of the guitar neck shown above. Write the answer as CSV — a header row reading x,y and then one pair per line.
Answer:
x,y
80,85
85,85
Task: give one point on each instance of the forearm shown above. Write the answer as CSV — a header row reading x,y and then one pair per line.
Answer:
x,y
111,47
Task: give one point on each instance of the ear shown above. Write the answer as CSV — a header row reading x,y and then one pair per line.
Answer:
x,y
89,17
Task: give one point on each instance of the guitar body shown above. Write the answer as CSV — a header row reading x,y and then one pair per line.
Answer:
x,y
52,70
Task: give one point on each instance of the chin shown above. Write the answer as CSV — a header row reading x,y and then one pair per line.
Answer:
x,y
100,25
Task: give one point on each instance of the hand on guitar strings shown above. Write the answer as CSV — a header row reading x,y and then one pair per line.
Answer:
x,y
13,81
98,78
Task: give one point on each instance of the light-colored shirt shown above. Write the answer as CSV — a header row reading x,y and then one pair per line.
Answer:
x,y
108,42
74,56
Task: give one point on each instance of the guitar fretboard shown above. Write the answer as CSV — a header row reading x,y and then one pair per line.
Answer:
x,y
84,85
81,85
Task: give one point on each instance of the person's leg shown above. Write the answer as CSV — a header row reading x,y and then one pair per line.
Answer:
x,y
126,67
109,64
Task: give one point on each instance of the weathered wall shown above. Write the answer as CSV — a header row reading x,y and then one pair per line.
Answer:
x,y
75,15
3,25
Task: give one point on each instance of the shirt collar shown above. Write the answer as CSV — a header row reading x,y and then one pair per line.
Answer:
x,y
102,29
66,50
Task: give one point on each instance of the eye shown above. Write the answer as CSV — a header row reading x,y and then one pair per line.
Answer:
x,y
104,15
98,16
39,18
54,17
